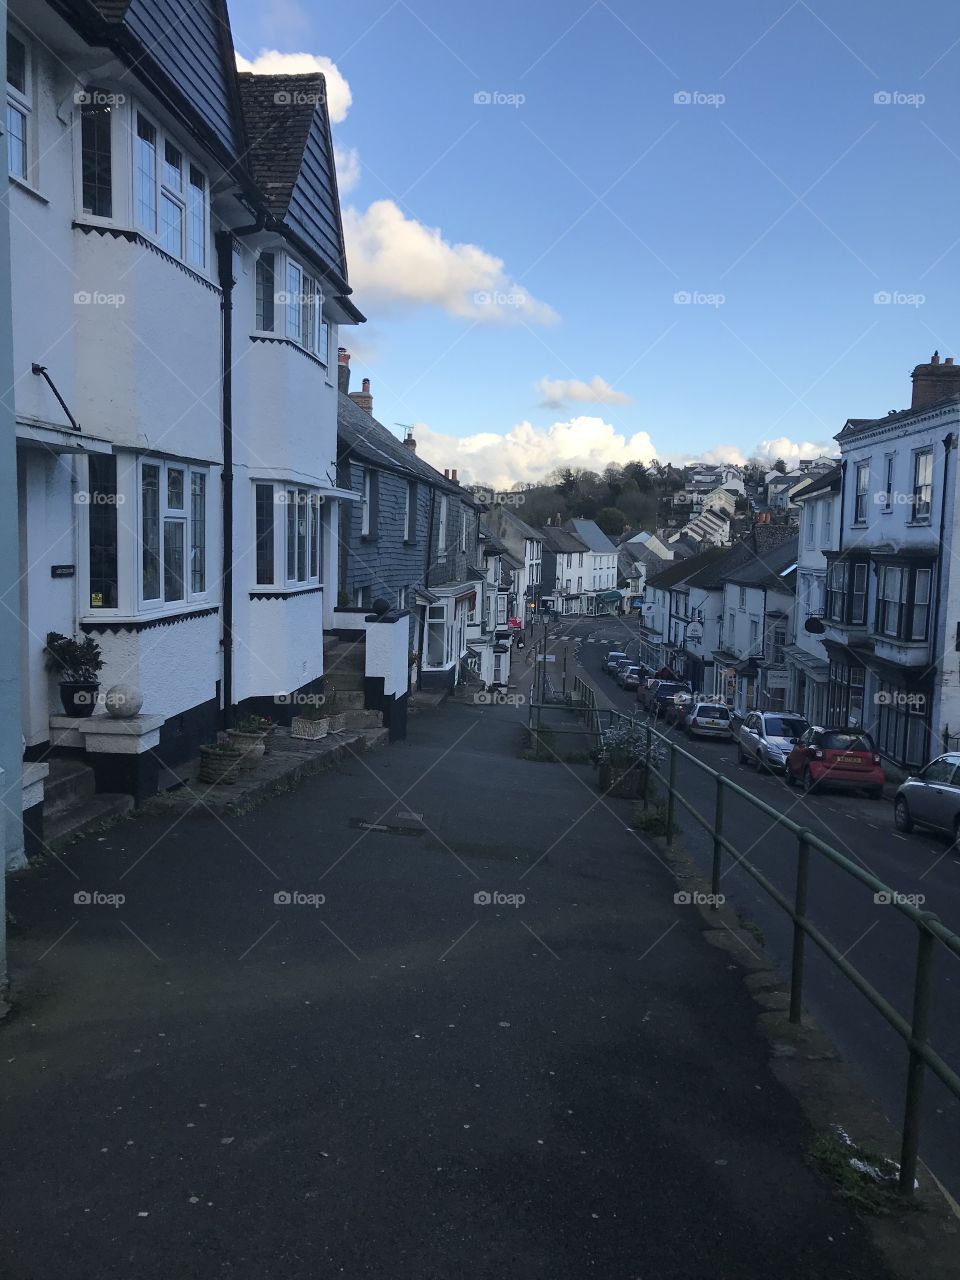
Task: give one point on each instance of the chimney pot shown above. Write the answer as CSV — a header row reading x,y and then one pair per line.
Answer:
x,y
343,355
949,360
453,476
343,371
409,441
446,473
366,386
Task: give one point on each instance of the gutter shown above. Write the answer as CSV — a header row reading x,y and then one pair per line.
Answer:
x,y
948,443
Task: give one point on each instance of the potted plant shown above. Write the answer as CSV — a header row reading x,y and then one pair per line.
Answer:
x,y
311,724
267,727
412,665
248,736
77,662
623,759
220,763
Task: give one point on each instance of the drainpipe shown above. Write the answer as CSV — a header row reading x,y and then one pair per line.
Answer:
x,y
947,447
224,243
426,583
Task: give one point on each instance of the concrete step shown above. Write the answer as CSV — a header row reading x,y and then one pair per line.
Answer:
x,y
68,784
343,679
363,720
66,825
350,699
421,701
375,738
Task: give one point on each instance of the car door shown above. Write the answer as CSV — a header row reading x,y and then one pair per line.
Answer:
x,y
749,736
934,799
798,754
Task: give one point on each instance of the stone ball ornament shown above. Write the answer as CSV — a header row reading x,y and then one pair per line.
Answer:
x,y
123,701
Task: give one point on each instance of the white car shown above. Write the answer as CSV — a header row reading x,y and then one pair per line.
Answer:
x,y
767,738
708,720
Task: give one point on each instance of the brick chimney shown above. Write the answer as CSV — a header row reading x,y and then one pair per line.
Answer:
x,y
343,370
935,381
409,441
453,476
363,399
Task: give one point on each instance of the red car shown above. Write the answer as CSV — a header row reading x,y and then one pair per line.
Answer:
x,y
836,758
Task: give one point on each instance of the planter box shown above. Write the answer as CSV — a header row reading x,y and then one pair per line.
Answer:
x,y
250,745
337,721
627,783
219,768
311,730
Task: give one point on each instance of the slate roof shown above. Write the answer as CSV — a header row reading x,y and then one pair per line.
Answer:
x,y
591,534
360,435
830,480
561,540
680,570
767,568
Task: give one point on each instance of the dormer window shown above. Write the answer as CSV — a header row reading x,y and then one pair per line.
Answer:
x,y
170,194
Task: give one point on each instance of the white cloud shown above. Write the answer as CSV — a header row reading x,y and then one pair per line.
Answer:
x,y
396,259
526,452
556,391
790,451
272,62
347,160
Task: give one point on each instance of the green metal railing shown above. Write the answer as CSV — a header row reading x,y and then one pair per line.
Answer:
x,y
929,928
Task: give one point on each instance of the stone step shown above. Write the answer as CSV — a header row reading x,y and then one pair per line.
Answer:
x,y
350,699
66,825
375,738
344,679
68,784
363,720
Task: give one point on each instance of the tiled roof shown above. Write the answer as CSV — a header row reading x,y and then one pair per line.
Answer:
x,y
561,540
361,435
591,533
679,570
830,480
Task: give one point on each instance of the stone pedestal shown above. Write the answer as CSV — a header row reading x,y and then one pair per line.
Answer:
x,y
34,774
120,751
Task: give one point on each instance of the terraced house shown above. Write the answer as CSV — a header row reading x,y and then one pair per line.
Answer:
x,y
179,280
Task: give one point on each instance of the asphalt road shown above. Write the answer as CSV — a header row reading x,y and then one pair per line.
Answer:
x,y
876,938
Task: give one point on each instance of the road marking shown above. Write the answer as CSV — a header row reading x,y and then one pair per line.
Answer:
x,y
898,835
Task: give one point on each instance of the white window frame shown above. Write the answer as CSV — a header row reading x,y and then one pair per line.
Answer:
x,y
162,188
442,529
313,504
365,503
182,516
297,295
861,489
926,452
22,103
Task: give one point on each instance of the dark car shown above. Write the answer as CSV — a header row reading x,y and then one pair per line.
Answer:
x,y
667,692
932,798
610,661
844,758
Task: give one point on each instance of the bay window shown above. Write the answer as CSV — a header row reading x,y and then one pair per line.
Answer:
x,y
96,155
171,197
295,311
903,604
300,540
102,502
847,592
173,532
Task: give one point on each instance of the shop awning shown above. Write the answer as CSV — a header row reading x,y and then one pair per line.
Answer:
x,y
608,597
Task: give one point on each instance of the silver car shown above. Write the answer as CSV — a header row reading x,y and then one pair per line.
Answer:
x,y
708,720
767,737
932,798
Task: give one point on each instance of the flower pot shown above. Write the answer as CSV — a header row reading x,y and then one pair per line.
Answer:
x,y
250,745
312,730
219,766
79,697
337,721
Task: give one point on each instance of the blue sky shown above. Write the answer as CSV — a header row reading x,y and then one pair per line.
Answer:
x,y
783,201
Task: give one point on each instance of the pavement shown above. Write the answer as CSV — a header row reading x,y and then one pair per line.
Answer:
x,y
880,942
495,1047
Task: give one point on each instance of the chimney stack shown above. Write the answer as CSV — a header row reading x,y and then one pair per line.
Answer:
x,y
363,399
343,370
409,441
453,476
446,473
935,381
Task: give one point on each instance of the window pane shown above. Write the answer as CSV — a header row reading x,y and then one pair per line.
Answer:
x,y
146,162
16,64
197,218
293,302
198,531
175,488
265,292
173,531
308,314
150,530
172,167
314,536
264,519
302,516
171,226
323,345
291,535
96,156
102,520
16,142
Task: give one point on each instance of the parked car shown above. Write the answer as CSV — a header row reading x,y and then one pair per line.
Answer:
x,y
707,720
665,692
932,798
676,708
629,677
844,758
610,661
767,738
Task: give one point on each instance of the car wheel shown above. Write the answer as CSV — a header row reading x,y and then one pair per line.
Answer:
x,y
808,782
901,815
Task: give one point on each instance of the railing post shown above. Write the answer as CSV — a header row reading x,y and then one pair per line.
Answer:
x,y
646,773
799,936
910,1141
717,845
670,791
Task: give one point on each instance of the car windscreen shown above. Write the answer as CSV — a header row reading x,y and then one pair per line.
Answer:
x,y
838,741
709,712
784,727
615,656
666,689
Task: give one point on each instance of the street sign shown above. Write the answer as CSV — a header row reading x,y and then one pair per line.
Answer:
x,y
694,631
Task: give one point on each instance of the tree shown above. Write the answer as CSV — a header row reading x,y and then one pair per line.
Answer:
x,y
611,520
780,466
